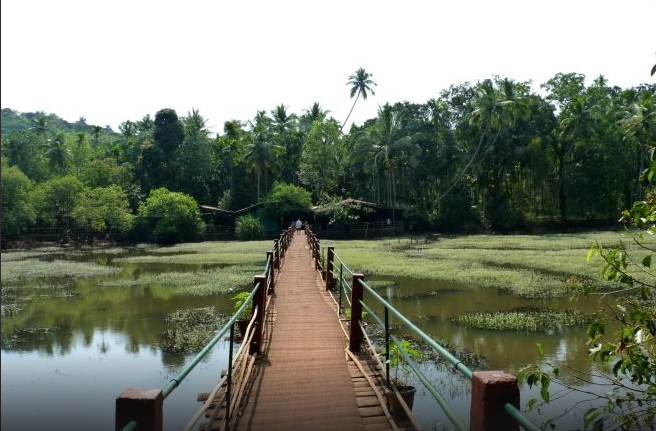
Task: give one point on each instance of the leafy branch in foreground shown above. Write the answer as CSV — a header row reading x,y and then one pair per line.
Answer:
x,y
629,352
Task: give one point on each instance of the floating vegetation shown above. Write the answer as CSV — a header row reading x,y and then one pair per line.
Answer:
x,y
191,329
527,319
10,309
198,283
31,269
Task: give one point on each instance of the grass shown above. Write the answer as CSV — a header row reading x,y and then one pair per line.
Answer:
x,y
532,266
14,271
203,253
197,283
532,320
190,330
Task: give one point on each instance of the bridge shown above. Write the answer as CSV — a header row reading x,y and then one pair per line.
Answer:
x,y
301,358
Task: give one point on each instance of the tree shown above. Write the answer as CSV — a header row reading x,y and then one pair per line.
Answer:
x,y
55,199
286,202
193,158
322,158
17,210
103,210
261,151
172,216
361,85
384,146
58,154
492,114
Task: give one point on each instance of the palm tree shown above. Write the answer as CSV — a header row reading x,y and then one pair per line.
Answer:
x,y
361,85
261,152
58,154
382,146
312,114
575,125
494,111
42,128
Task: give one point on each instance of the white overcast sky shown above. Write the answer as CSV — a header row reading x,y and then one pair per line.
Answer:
x,y
111,61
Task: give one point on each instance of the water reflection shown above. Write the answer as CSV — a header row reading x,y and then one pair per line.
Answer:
x,y
72,345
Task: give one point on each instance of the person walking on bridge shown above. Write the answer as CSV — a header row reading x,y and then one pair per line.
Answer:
x,y
299,224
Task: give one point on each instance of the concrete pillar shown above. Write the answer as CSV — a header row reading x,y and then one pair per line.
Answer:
x,y
491,390
141,405
355,337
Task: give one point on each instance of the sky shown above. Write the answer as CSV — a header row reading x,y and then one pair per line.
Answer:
x,y
111,61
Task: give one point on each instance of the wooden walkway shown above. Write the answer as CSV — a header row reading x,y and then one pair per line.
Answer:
x,y
304,380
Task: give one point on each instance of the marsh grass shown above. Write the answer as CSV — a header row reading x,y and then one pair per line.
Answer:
x,y
530,266
196,283
14,271
189,330
532,320
204,253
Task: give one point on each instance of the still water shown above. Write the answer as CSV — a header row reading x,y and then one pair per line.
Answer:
x,y
74,345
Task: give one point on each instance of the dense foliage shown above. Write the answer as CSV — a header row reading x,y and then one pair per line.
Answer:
x,y
494,154
173,216
287,202
248,228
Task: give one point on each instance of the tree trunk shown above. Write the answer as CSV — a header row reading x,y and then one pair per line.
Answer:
x,y
561,187
349,114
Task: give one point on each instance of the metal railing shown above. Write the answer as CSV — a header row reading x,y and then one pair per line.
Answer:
x,y
263,285
334,270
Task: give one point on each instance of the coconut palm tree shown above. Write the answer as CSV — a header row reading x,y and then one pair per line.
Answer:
x,y
361,85
58,154
383,147
494,111
261,151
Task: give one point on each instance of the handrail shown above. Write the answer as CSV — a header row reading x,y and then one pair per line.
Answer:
x,y
272,264
175,382
458,365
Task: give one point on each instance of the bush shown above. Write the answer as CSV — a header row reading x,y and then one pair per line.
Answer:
x,y
248,228
103,210
286,202
17,211
174,217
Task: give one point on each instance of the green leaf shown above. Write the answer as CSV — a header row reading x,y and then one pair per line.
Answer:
x,y
647,261
540,349
591,415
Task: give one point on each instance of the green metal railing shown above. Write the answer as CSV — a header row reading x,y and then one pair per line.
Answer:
x,y
272,262
345,292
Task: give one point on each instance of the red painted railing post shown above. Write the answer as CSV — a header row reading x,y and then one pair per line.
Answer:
x,y
259,302
330,259
144,406
491,390
272,271
355,337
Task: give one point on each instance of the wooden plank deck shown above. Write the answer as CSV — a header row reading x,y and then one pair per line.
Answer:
x,y
304,380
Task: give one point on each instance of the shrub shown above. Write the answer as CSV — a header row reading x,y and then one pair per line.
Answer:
x,y
248,228
286,202
174,217
17,211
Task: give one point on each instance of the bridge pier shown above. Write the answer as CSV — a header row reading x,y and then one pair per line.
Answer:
x,y
145,406
259,303
491,390
330,265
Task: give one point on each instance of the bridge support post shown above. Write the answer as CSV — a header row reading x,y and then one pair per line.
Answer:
x,y
491,390
355,337
317,253
141,405
272,271
330,265
276,258
259,302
